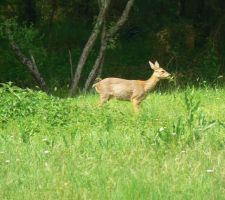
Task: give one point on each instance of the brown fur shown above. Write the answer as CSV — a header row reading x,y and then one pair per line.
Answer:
x,y
131,90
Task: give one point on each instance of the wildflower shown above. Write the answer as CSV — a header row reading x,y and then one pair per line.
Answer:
x,y
173,133
161,129
45,139
66,183
210,170
47,166
46,152
7,161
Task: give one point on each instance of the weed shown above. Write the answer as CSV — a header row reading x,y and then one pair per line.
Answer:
x,y
54,148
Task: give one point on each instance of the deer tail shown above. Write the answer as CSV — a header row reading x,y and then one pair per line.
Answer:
x,y
96,82
94,85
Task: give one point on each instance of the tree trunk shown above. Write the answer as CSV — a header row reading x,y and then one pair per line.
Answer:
x,y
88,47
99,73
106,36
121,20
98,61
30,64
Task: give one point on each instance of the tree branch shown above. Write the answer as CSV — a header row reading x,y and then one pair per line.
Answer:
x,y
106,36
89,45
98,61
121,20
30,64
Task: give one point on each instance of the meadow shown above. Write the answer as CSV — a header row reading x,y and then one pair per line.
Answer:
x,y
68,148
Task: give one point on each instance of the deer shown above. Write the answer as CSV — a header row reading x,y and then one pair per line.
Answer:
x,y
130,90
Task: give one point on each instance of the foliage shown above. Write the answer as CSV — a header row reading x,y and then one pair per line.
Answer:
x,y
20,104
68,148
210,61
188,128
188,32
27,37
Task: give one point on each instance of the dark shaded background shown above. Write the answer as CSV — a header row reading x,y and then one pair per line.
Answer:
x,y
185,36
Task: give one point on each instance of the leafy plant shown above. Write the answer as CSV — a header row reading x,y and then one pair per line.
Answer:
x,y
187,128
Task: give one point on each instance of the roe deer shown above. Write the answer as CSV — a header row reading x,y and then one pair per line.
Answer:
x,y
132,90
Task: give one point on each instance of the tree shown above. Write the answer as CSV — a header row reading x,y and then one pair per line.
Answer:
x,y
7,32
30,64
89,45
106,37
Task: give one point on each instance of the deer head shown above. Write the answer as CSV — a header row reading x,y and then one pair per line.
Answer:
x,y
159,72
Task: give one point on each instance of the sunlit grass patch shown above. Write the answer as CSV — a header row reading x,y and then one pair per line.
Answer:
x,y
54,148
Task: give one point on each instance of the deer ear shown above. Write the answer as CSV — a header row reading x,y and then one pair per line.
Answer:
x,y
152,65
157,64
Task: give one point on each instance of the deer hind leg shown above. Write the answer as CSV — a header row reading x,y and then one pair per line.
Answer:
x,y
103,98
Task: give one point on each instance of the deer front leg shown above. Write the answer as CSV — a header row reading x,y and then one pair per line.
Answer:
x,y
136,103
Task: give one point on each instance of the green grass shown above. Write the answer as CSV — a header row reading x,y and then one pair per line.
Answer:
x,y
52,148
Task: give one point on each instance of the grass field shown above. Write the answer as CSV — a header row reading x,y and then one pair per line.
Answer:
x,y
52,148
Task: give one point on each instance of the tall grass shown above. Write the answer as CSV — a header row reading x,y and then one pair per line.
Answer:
x,y
52,148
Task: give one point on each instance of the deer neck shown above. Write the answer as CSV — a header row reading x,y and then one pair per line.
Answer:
x,y
151,83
